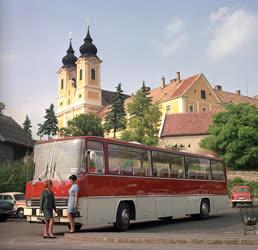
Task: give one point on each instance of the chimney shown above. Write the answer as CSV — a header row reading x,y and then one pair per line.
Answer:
x,y
218,87
177,77
163,83
238,92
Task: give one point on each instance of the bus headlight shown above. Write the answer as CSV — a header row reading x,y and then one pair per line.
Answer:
x,y
28,203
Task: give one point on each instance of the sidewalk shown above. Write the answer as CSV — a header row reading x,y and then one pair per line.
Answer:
x,y
153,238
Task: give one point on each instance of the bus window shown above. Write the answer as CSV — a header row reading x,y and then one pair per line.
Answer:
x,y
197,168
140,163
217,170
119,160
176,165
160,162
95,157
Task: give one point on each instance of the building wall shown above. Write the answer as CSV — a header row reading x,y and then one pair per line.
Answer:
x,y
174,105
193,97
189,143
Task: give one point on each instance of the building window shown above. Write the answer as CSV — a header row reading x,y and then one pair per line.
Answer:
x,y
168,108
80,74
203,109
92,73
203,94
80,95
191,108
68,101
61,103
62,83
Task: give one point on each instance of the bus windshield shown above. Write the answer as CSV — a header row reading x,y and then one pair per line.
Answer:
x,y
58,159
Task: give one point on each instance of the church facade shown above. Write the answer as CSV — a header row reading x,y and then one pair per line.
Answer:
x,y
79,89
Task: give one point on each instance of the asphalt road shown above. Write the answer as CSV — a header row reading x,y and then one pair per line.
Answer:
x,y
18,234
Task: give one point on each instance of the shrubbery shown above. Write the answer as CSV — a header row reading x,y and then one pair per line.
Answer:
x,y
13,176
238,181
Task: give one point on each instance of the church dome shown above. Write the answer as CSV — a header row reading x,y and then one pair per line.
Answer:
x,y
69,59
88,48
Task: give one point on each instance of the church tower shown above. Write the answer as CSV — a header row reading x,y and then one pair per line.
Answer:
x,y
79,89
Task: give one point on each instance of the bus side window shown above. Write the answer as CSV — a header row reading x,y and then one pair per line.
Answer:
x,y
160,162
119,160
217,170
140,163
95,157
197,168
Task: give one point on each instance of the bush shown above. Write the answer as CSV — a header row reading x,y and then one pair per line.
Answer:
x,y
238,181
13,176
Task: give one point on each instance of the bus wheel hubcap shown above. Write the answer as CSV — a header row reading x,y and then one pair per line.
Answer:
x,y
125,216
205,208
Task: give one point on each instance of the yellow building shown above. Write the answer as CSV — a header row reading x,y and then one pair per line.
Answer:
x,y
79,89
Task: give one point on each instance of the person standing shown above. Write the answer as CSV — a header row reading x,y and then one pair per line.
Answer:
x,y
47,205
73,202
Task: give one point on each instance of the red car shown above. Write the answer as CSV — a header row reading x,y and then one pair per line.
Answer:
x,y
241,195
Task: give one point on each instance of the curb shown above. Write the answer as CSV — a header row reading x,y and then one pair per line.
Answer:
x,y
104,239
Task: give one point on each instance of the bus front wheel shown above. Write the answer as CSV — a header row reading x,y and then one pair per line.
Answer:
x,y
122,217
204,209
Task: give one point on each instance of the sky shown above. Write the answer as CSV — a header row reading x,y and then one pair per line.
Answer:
x,y
137,40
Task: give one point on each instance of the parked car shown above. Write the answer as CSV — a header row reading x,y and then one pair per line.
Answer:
x,y
18,200
6,208
241,195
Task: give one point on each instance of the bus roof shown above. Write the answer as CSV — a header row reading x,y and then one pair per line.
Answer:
x,y
134,144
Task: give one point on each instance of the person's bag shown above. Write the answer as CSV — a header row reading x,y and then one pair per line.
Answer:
x,y
76,213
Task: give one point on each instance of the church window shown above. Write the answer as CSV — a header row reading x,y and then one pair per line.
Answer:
x,y
92,73
203,94
203,109
80,95
80,74
191,108
68,101
62,83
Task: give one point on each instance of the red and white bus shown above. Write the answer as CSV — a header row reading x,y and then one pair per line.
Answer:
x,y
122,182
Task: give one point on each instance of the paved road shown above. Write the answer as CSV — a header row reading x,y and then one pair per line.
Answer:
x,y
18,234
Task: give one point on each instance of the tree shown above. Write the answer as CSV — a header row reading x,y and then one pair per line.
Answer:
x,y
27,125
116,117
144,119
234,136
82,125
2,107
49,127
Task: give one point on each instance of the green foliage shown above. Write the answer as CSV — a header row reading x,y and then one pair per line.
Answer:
x,y
144,119
82,125
27,125
238,181
13,176
116,117
2,107
234,136
49,127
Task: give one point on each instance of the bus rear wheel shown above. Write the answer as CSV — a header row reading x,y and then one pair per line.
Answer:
x,y
122,217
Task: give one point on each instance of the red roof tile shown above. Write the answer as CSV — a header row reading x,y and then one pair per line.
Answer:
x,y
172,89
227,97
186,124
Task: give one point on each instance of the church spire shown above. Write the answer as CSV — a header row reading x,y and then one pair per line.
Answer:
x,y
88,48
69,59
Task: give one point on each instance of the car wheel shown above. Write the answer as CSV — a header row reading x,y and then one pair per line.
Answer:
x,y
20,212
122,217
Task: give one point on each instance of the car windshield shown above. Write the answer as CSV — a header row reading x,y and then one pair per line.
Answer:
x,y
242,190
19,197
58,159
